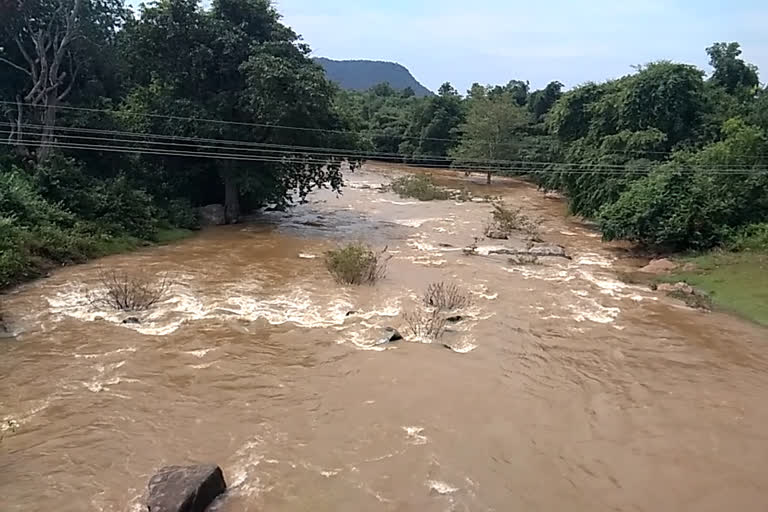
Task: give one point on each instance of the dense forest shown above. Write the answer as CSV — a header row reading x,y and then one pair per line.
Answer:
x,y
118,125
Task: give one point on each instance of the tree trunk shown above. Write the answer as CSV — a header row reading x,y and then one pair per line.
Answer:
x,y
49,125
231,198
488,178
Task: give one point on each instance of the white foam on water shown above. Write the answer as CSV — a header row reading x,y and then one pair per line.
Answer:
x,y
441,487
425,246
594,259
200,353
482,292
543,273
608,285
414,223
398,203
415,435
306,256
296,308
329,473
426,261
106,354
594,312
568,233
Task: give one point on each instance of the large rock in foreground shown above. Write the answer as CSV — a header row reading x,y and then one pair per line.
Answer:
x,y
185,489
212,215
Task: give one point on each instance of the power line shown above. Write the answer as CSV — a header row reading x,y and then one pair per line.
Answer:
x,y
308,160
317,130
325,152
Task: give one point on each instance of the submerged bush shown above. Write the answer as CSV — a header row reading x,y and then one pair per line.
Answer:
x,y
446,297
356,263
124,292
425,324
505,221
418,186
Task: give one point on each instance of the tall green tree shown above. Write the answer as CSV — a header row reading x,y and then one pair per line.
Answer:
x,y
731,72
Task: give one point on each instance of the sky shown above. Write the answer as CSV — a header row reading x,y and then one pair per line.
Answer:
x,y
494,41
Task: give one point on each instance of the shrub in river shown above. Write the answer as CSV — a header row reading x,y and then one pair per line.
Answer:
x,y
505,221
425,324
123,292
446,297
418,186
357,263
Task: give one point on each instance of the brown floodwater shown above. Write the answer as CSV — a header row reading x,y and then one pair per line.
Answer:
x,y
563,388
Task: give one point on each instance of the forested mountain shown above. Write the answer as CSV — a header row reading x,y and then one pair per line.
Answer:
x,y
361,75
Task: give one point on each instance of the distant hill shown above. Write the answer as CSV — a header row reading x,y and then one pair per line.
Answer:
x,y
361,75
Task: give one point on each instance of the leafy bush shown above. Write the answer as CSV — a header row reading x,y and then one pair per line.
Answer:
x,y
180,213
116,205
418,186
505,221
446,297
123,292
357,264
751,238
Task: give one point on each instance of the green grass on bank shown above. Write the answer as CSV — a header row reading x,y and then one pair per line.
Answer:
x,y
170,234
36,256
736,281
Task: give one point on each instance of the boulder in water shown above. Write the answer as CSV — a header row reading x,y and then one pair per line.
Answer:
x,y
185,489
548,250
212,215
389,335
132,320
454,319
496,234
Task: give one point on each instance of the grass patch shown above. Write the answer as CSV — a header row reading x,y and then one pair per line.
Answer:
x,y
169,235
418,186
735,281
357,264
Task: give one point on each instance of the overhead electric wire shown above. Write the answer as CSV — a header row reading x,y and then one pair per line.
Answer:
x,y
478,164
306,129
308,159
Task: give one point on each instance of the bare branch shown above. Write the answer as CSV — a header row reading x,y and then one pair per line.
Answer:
x,y
16,66
71,83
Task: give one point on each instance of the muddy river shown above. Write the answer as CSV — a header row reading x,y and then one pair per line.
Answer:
x,y
563,388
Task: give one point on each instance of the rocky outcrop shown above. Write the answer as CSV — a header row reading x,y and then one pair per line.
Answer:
x,y
535,250
495,233
659,266
212,215
676,288
185,489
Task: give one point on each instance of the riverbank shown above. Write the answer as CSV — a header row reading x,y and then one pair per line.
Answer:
x,y
40,256
737,282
